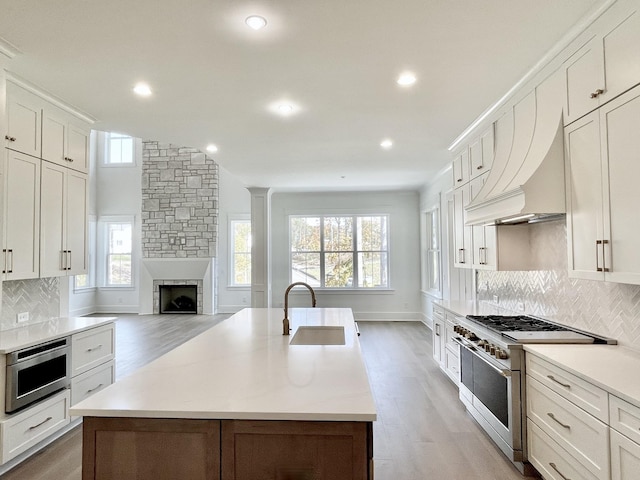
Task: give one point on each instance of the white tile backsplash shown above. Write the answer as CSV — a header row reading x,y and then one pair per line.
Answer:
x,y
40,297
609,309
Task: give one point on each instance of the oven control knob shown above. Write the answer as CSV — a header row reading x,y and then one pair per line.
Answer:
x,y
502,355
492,349
472,336
482,343
487,347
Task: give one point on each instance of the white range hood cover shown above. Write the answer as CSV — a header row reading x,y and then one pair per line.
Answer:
x,y
526,180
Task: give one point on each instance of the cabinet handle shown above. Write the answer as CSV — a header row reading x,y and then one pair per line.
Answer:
x,y
4,252
69,260
437,329
11,262
41,423
459,180
461,255
68,159
95,388
597,93
553,417
479,167
553,379
11,139
598,269
553,465
94,348
604,260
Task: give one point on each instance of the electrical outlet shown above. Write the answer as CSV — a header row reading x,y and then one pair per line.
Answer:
x,y
22,317
521,306
496,299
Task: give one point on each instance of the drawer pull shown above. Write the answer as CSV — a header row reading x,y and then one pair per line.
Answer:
x,y
553,465
553,379
95,388
93,349
41,423
553,417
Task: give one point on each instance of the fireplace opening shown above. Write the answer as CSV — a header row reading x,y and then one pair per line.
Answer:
x,y
178,298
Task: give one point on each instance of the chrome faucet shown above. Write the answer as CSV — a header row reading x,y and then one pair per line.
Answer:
x,y
285,322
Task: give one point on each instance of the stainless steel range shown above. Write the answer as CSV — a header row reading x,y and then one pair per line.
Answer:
x,y
492,373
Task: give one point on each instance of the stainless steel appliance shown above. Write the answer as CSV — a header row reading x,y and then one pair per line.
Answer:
x,y
492,373
36,372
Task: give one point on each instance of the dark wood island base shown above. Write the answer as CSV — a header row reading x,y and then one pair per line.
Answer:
x,y
168,449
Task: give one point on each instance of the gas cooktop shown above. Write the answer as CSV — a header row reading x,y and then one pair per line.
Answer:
x,y
517,323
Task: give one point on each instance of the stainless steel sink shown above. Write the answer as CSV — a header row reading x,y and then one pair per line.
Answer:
x,y
318,335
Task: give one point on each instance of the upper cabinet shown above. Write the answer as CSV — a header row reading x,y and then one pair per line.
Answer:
x,y
461,168
481,153
24,121
602,168
607,65
64,141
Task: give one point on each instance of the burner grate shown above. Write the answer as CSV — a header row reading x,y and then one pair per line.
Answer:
x,y
517,323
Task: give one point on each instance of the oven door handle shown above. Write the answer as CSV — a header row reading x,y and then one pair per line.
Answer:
x,y
472,349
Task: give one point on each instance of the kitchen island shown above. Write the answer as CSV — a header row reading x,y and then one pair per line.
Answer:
x,y
238,402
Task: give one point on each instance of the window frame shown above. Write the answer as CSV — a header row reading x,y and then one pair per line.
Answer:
x,y
354,287
108,136
432,230
232,220
104,223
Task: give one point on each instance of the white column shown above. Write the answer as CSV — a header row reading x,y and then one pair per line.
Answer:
x,y
260,247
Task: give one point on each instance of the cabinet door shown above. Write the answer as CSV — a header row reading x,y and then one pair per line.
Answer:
x,y
76,222
438,340
462,233
584,76
584,197
488,149
461,169
54,135
24,112
52,222
625,457
620,120
621,46
476,164
78,147
21,216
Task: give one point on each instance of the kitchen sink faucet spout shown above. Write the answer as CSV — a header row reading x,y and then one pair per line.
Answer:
x,y
285,322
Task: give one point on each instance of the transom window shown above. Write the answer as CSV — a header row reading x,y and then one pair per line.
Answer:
x,y
119,149
340,251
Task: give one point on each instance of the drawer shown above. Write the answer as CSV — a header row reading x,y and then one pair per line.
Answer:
x,y
551,460
92,348
578,391
625,457
452,363
438,312
23,430
88,383
582,435
624,417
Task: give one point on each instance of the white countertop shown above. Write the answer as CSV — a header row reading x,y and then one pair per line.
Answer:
x,y
611,367
244,368
472,308
30,335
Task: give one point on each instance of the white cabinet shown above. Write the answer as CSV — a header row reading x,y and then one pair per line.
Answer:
x,y
602,165
461,168
21,242
451,349
92,348
24,117
88,383
64,141
625,457
481,152
608,64
29,427
63,226
438,335
462,233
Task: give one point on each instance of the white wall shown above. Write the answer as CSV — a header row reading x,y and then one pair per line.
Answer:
x,y
234,202
402,301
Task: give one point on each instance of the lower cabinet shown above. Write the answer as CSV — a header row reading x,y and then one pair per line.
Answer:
x,y
25,429
438,335
88,383
159,449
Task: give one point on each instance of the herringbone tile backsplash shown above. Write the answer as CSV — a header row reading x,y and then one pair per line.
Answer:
x,y
40,297
609,309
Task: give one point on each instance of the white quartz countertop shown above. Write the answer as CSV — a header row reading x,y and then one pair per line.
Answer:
x,y
30,335
611,367
244,368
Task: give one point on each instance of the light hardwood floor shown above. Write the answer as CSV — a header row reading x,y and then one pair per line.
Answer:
x,y
422,431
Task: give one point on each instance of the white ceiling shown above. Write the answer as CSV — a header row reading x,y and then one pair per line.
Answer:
x,y
214,79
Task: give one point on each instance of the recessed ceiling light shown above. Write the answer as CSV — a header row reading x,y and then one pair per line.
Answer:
x,y
406,79
211,148
142,89
386,143
285,109
256,22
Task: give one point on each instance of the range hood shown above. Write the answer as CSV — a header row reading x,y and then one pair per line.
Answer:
x,y
526,182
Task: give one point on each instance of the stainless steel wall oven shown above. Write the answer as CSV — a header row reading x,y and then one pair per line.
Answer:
x,y
36,372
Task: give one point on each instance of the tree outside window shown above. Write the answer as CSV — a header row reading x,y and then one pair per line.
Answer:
x,y
340,251
119,254
240,252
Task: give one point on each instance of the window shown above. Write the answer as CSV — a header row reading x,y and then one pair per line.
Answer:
x,y
431,252
240,246
119,149
119,254
342,251
88,280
